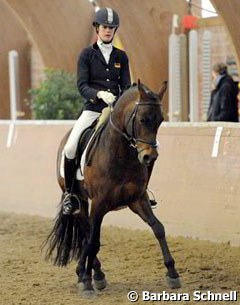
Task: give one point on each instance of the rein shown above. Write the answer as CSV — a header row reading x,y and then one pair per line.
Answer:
x,y
133,139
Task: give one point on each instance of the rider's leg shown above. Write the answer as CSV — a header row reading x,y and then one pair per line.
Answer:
x,y
69,171
70,201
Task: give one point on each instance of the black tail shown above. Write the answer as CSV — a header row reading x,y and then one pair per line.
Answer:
x,y
64,242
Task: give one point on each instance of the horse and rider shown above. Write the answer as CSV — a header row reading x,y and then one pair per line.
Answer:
x,y
118,172
103,75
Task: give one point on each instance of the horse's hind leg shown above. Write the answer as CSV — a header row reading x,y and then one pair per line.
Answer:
x,y
91,249
99,277
80,270
142,208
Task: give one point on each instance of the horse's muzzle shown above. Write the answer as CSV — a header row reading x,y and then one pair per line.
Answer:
x,y
147,154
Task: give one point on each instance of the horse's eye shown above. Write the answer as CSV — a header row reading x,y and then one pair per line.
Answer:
x,y
144,120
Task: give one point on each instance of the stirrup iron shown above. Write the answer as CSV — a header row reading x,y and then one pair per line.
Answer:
x,y
153,202
68,206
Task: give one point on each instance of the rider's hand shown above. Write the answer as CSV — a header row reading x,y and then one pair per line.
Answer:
x,y
107,97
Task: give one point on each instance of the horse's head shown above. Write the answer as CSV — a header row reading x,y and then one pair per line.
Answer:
x,y
145,121
137,116
143,116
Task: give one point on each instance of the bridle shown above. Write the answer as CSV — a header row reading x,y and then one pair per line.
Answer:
x,y
133,139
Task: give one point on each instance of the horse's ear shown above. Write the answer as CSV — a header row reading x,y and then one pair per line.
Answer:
x,y
162,90
141,90
139,84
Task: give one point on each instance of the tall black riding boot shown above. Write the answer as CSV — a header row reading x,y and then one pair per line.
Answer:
x,y
69,173
70,201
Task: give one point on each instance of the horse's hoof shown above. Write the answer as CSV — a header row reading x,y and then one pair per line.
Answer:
x,y
173,283
100,284
89,294
83,291
80,287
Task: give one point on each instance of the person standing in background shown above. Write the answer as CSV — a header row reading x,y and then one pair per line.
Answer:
x,y
223,104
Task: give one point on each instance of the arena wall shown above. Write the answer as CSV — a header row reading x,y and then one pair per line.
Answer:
x,y
195,180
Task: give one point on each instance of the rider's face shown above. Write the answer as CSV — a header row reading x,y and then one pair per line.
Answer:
x,y
106,33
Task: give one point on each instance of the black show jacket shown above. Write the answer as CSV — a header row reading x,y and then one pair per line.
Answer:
x,y
94,75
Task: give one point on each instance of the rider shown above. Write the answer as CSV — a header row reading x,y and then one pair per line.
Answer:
x,y
103,74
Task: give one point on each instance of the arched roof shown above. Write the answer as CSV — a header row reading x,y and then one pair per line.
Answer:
x,y
144,30
59,28
13,37
230,12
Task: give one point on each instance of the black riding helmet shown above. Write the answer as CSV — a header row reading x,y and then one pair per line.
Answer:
x,y
106,16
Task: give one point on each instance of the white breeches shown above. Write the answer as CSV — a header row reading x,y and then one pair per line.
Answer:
x,y
84,121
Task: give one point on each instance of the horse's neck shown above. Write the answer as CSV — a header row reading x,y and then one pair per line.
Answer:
x,y
121,160
117,146
113,142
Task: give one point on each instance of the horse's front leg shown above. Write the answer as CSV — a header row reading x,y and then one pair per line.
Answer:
x,y
143,209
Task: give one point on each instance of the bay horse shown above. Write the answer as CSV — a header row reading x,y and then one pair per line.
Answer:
x,y
117,176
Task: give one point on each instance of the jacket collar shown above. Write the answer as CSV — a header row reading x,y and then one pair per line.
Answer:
x,y
100,56
218,80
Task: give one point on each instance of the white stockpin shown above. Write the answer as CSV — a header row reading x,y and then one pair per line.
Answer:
x,y
110,15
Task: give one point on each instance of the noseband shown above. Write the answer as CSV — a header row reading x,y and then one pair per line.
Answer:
x,y
132,139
